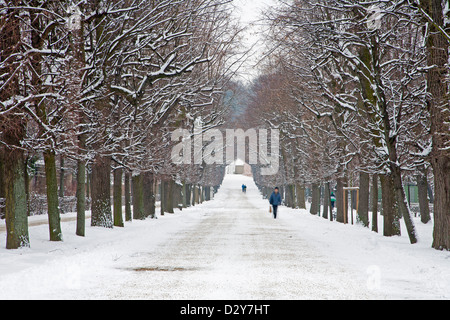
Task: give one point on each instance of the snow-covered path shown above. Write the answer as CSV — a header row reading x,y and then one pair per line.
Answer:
x,y
236,252
228,248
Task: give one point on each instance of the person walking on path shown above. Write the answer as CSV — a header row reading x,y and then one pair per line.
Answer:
x,y
332,200
275,201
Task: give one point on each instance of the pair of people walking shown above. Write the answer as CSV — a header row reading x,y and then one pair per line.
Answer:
x,y
275,201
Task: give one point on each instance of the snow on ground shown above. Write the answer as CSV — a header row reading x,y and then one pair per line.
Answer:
x,y
229,248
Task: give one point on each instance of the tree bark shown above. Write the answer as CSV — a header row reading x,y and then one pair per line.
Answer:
x,y
390,207
149,195
196,197
184,195
15,199
88,182
12,128
54,220
207,193
441,231
301,202
326,200
138,197
128,213
118,215
81,198
374,197
2,180
169,196
177,195
101,193
363,206
292,194
404,210
315,203
438,107
27,186
61,178
341,211
424,204
162,196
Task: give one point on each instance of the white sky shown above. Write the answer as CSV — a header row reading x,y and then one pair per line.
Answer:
x,y
249,12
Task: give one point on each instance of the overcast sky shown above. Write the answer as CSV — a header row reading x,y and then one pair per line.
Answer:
x,y
249,12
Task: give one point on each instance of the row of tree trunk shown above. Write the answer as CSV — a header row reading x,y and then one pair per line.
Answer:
x,y
294,197
140,195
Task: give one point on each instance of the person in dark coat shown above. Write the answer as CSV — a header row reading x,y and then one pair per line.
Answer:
x,y
275,201
332,200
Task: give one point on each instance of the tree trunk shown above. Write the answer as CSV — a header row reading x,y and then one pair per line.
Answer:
x,y
207,193
81,198
430,194
27,186
162,192
196,197
61,185
363,206
54,220
203,194
177,197
189,195
390,208
118,215
61,178
138,197
76,88
169,196
326,200
128,213
441,231
149,195
374,197
292,194
101,193
15,200
288,197
184,195
341,211
424,204
395,171
403,206
438,107
301,202
12,128
315,203
88,182
2,180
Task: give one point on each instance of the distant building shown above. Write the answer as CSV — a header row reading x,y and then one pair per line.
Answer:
x,y
239,167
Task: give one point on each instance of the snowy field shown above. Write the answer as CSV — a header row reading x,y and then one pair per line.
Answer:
x,y
229,248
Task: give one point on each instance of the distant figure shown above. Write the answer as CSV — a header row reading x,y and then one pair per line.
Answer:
x,y
244,188
275,201
332,200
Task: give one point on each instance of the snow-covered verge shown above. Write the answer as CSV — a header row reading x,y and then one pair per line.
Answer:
x,y
390,266
94,266
52,270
